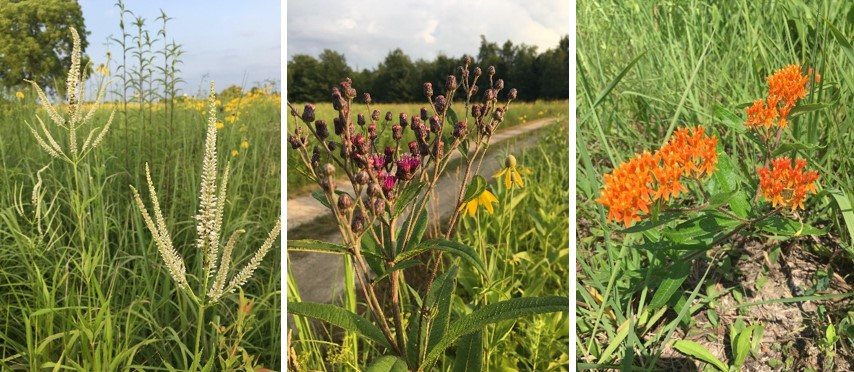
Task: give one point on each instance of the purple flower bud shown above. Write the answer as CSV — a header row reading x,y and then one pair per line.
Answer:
x,y
332,145
428,89
337,99
439,149
499,84
358,223
321,129
308,113
362,177
347,88
460,129
451,83
413,148
512,94
415,121
377,162
477,72
440,104
435,126
464,72
474,89
360,144
466,60
378,205
406,166
424,113
498,114
374,189
372,131
360,119
489,95
491,70
396,132
375,116
345,202
388,116
367,98
387,182
339,126
403,117
476,111
295,142
315,157
389,152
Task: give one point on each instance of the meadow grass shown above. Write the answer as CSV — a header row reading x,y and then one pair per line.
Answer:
x,y
646,69
83,285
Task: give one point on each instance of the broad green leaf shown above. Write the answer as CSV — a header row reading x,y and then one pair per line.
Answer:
x,y
787,227
475,188
440,297
339,317
494,313
693,349
676,276
388,363
789,147
842,40
453,116
742,346
320,196
720,199
470,353
369,244
463,251
807,108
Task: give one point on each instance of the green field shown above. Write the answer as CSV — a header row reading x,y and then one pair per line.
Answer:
x,y
82,285
697,287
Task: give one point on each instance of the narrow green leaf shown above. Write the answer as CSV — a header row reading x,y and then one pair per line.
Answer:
x,y
789,147
729,119
440,297
614,343
463,251
311,245
417,232
397,267
670,285
470,353
742,346
608,88
407,196
453,116
843,202
339,317
475,188
807,108
693,349
494,313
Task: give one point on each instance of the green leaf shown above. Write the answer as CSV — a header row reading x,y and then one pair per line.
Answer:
x,y
789,147
494,313
311,245
788,228
807,108
720,199
401,266
843,202
476,187
676,276
729,119
372,252
742,346
695,350
453,116
417,232
463,251
614,343
388,363
320,196
604,93
440,297
406,197
842,40
339,317
470,353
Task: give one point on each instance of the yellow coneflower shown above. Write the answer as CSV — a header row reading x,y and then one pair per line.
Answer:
x,y
510,173
486,198
234,153
19,94
244,144
219,125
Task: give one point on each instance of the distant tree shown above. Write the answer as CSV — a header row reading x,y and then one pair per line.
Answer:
x,y
524,72
554,71
305,82
334,68
35,42
396,79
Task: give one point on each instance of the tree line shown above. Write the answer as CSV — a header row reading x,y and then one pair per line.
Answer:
x,y
398,79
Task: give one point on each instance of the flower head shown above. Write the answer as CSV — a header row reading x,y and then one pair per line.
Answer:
x,y
787,186
19,94
511,174
244,144
786,87
486,199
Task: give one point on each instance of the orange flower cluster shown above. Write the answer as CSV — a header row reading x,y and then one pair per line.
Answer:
x,y
633,186
786,186
785,88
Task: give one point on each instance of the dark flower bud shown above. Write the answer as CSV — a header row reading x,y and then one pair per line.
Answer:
x,y
362,177
477,72
377,162
440,104
315,157
420,132
295,141
396,132
474,89
367,98
488,95
466,61
345,202
375,116
347,88
428,89
321,129
415,121
512,94
339,126
308,113
372,131
374,189
439,149
378,205
424,113
360,119
491,70
460,129
451,83
388,116
476,111
498,114
464,72
329,171
413,148
403,117
294,113
435,126
499,84
337,99
332,145
358,223
389,152
346,147
406,166
360,144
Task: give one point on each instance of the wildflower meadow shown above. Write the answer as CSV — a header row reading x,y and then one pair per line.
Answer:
x,y
713,198
139,223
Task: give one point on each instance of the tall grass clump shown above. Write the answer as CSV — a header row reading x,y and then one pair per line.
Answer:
x,y
383,222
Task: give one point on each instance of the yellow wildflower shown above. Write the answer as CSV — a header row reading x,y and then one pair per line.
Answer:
x,y
219,125
486,198
234,153
19,94
244,144
510,173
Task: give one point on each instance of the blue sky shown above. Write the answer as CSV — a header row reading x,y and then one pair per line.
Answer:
x,y
365,31
232,42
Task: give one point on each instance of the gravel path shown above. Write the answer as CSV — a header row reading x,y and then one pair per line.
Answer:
x,y
319,276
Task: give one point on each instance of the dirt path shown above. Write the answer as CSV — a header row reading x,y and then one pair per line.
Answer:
x,y
319,277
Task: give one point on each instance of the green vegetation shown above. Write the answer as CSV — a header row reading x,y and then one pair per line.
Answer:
x,y
698,285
